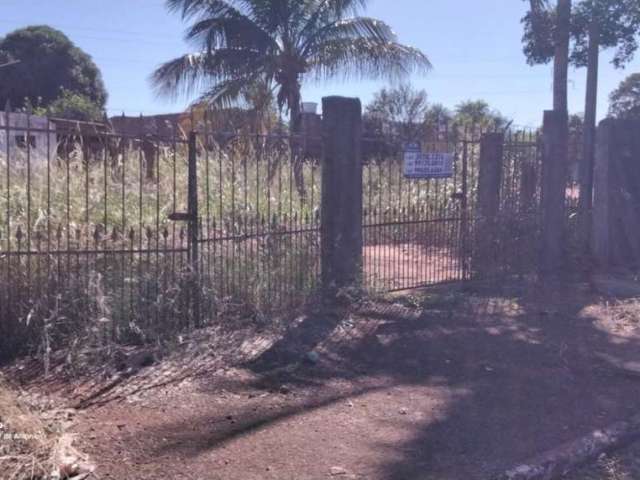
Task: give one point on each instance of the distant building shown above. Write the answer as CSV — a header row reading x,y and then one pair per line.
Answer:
x,y
375,146
164,126
21,133
90,138
228,121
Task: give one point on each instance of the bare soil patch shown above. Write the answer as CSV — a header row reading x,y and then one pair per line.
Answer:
x,y
446,385
406,265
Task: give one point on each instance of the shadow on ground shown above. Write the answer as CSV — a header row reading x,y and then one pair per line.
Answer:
x,y
462,387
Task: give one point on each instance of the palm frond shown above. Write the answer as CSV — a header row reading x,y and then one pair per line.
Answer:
x,y
223,32
189,73
273,16
228,93
366,58
323,13
225,94
193,8
182,75
538,6
281,41
342,8
352,28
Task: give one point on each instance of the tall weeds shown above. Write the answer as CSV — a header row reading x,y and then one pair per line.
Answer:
x,y
88,254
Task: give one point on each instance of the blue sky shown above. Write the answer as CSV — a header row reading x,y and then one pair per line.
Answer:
x,y
474,46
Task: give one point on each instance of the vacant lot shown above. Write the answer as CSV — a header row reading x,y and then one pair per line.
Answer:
x,y
446,385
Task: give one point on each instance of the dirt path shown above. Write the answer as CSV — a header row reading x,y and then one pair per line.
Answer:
x,y
462,387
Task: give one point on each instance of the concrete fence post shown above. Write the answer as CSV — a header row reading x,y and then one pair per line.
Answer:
x,y
341,220
554,185
616,222
488,206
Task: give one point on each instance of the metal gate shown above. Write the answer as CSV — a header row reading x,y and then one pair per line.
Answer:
x,y
417,232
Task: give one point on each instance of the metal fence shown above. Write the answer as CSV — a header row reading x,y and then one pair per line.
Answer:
x,y
518,225
131,237
134,236
86,236
259,208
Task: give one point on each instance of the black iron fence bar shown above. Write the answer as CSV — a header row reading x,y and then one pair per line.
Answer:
x,y
88,191
29,225
193,226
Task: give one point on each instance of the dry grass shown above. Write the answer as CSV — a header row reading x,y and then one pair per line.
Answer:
x,y
137,288
29,455
33,444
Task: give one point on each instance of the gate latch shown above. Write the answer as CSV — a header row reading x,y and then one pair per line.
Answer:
x,y
180,217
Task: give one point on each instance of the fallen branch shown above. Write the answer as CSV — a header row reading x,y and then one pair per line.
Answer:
x,y
559,462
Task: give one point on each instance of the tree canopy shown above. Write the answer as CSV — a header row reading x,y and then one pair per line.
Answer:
x,y
282,43
72,106
477,115
405,114
618,27
49,64
618,21
401,110
625,100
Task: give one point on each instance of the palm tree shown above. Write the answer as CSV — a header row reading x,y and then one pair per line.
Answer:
x,y
475,117
283,43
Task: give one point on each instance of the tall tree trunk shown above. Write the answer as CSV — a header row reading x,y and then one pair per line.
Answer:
x,y
585,203
561,64
560,103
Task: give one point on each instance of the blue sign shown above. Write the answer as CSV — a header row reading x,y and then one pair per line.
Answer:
x,y
427,165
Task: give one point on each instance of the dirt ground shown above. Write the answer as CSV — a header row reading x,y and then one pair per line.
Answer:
x,y
447,385
407,265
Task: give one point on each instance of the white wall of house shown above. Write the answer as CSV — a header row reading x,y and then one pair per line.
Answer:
x,y
14,130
